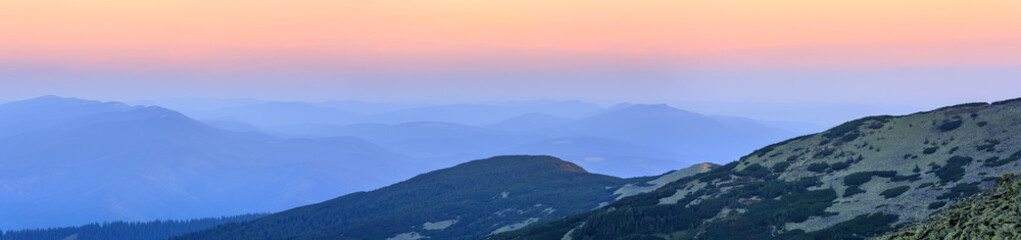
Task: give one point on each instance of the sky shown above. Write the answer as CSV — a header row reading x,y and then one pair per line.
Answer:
x,y
728,56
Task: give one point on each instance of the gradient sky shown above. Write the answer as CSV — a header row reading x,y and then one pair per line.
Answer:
x,y
914,52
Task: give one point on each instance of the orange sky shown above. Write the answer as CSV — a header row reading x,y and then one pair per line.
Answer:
x,y
393,35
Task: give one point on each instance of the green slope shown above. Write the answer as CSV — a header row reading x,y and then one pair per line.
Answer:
x,y
994,214
467,201
859,179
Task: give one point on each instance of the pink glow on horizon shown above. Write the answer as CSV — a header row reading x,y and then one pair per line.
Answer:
x,y
449,35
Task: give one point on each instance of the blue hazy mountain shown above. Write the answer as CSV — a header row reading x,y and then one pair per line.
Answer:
x,y
607,156
529,122
47,111
194,105
800,128
485,114
570,109
281,113
269,114
469,114
231,124
625,140
74,161
698,137
368,108
444,144
421,139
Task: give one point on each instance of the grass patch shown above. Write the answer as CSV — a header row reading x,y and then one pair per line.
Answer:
x,y
912,178
865,225
767,149
840,166
852,190
755,170
781,166
850,136
950,125
763,151
824,153
1001,162
847,127
960,190
773,213
1007,101
894,192
818,167
990,146
954,170
859,178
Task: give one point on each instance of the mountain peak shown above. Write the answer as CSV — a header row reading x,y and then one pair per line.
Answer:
x,y
471,200
44,97
704,167
648,109
53,100
54,108
525,164
652,108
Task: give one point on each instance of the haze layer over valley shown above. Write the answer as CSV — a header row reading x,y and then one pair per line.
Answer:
x,y
69,161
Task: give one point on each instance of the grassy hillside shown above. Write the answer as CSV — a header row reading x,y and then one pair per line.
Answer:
x,y
467,201
862,178
993,214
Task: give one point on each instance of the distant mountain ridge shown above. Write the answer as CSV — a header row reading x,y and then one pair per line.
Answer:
x,y
696,136
124,162
95,161
284,113
276,114
856,180
47,111
626,140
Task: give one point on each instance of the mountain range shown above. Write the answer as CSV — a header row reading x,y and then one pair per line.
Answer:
x,y
67,161
929,174
624,140
860,179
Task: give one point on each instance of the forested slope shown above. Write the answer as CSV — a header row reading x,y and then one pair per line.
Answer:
x,y
126,230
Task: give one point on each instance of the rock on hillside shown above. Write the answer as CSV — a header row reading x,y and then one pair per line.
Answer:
x,y
993,214
858,179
